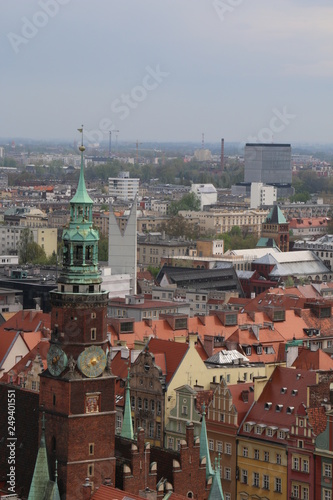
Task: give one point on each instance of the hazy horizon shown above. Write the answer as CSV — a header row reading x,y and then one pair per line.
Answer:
x,y
168,72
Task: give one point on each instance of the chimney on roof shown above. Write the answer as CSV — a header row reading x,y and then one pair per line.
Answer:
x,y
209,345
86,489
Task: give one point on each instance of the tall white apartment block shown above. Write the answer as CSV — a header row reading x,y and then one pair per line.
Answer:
x,y
262,195
123,187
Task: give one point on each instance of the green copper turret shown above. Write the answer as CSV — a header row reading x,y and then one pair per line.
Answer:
x,y
80,239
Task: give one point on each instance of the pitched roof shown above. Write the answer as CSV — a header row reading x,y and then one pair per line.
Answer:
x,y
313,360
7,341
241,403
275,216
286,389
24,365
174,353
111,493
28,321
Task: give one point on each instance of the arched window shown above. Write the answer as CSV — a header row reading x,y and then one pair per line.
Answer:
x,y
190,494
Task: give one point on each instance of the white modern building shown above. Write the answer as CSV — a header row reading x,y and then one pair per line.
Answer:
x,y
262,195
123,187
206,193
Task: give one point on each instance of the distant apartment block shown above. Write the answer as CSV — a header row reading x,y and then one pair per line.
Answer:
x,y
262,195
268,163
123,187
206,193
10,239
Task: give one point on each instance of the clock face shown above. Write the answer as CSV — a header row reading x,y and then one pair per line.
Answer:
x,y
92,361
56,360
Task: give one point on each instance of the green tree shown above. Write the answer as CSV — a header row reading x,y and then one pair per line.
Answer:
x,y
189,201
154,270
103,248
29,251
25,240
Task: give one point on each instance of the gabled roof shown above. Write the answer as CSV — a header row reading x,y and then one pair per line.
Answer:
x,y
286,388
174,353
313,360
7,342
27,321
241,403
225,357
24,365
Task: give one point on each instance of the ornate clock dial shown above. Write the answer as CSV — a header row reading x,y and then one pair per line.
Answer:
x,y
92,361
56,360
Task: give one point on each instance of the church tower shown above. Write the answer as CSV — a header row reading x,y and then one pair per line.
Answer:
x,y
77,389
275,231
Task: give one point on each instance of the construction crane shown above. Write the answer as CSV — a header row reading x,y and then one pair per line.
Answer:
x,y
110,132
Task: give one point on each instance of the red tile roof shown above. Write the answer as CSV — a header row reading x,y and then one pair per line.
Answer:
x,y
28,321
41,350
7,341
238,399
111,493
286,387
173,351
313,360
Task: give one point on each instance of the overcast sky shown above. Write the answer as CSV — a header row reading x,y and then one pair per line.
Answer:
x,y
244,70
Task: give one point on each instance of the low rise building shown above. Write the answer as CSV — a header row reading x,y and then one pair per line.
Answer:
x,y
309,227
218,222
152,247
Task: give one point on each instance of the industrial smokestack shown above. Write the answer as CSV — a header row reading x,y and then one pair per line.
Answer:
x,y
222,154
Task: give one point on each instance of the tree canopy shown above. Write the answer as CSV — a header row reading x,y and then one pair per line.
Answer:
x,y
189,201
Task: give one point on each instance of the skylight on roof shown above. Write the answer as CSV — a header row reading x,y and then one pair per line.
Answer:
x,y
28,363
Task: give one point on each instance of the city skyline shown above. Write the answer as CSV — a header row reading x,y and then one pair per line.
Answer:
x,y
168,72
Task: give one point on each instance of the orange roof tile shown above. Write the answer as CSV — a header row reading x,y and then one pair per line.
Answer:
x,y
173,351
111,493
291,379
40,349
313,360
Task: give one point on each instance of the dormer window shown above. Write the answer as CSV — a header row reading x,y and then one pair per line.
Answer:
x,y
294,392
278,408
290,410
268,406
259,349
283,390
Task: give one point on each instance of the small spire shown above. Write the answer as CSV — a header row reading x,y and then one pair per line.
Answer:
x,y
204,448
127,427
56,472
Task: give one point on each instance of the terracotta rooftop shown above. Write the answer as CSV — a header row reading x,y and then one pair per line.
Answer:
x,y
24,365
173,351
313,360
242,398
282,395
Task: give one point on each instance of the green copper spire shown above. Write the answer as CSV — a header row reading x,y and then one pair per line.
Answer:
x,y
81,195
80,239
204,448
127,427
216,491
41,474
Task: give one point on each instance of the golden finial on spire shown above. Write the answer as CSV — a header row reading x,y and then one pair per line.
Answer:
x,y
81,148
